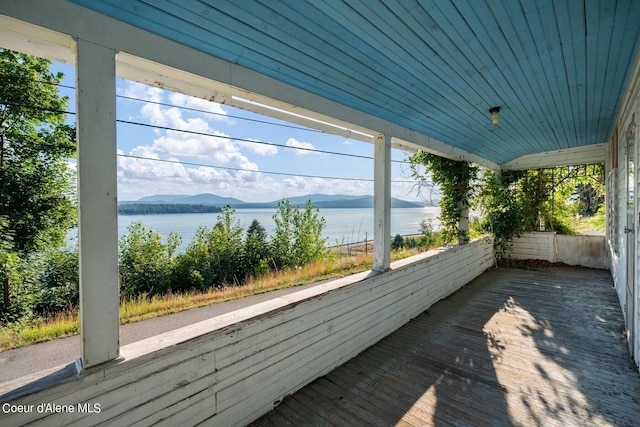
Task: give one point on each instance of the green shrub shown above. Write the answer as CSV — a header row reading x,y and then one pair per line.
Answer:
x,y
59,283
145,262
257,253
297,238
397,243
214,257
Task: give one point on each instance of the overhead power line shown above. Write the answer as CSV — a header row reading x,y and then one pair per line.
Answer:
x,y
250,141
256,171
198,110
231,138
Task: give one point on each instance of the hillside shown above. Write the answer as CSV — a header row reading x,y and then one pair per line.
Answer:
x,y
327,201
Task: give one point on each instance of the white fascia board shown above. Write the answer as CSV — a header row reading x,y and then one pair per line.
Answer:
x,y
433,146
588,154
168,64
34,40
143,71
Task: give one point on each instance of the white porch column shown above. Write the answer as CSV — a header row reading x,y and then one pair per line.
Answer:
x,y
97,202
463,224
382,203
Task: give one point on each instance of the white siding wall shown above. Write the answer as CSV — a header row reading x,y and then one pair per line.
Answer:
x,y
231,369
585,251
629,112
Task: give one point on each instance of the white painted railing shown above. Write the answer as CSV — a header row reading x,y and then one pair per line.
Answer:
x,y
233,368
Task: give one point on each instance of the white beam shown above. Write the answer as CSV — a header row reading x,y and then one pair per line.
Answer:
x,y
97,202
382,203
587,154
34,40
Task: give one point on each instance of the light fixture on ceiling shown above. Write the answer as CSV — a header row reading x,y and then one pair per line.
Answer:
x,y
494,114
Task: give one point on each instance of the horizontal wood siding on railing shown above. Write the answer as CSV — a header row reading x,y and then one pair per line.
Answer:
x,y
231,369
536,245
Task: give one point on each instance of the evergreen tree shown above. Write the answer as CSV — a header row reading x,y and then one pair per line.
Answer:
x,y
256,249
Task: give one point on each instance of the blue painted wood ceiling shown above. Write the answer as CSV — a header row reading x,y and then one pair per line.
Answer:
x,y
558,69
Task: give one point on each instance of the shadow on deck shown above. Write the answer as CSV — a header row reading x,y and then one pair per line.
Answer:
x,y
514,347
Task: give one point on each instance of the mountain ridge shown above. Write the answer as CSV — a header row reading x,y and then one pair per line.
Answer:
x,y
319,200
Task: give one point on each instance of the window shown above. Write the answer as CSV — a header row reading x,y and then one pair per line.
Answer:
x,y
631,139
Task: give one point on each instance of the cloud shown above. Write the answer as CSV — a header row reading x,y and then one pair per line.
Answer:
x,y
258,147
294,143
299,186
167,162
145,166
177,160
216,110
140,91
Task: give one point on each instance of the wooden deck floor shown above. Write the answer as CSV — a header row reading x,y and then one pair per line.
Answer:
x,y
515,347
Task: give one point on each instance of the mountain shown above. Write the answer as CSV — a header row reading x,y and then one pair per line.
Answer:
x,y
198,199
327,201
358,202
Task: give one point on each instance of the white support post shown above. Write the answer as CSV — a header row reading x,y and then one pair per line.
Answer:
x,y
97,203
463,224
382,203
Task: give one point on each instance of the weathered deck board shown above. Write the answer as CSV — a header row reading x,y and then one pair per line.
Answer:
x,y
515,347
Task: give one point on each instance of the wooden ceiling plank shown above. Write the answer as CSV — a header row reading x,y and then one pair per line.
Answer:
x,y
529,55
405,70
570,23
301,68
470,45
452,126
507,46
391,74
598,48
626,28
445,95
547,40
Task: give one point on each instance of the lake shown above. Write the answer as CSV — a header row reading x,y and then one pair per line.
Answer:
x,y
342,225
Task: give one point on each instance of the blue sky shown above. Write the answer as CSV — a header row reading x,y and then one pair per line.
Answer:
x,y
239,165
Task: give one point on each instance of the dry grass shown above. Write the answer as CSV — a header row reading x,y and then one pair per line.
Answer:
x,y
61,325
589,224
144,307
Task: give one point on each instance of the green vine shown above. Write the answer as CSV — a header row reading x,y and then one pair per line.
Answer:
x,y
503,214
455,180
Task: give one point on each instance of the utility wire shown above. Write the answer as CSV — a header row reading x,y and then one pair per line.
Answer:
x,y
197,110
257,171
252,141
191,132
225,167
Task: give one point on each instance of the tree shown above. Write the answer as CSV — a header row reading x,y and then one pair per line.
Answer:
x,y
214,257
398,242
145,262
281,242
36,203
256,249
308,242
226,246
590,197
297,238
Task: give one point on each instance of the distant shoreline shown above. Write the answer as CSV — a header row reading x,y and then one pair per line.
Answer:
x,y
164,209
320,201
